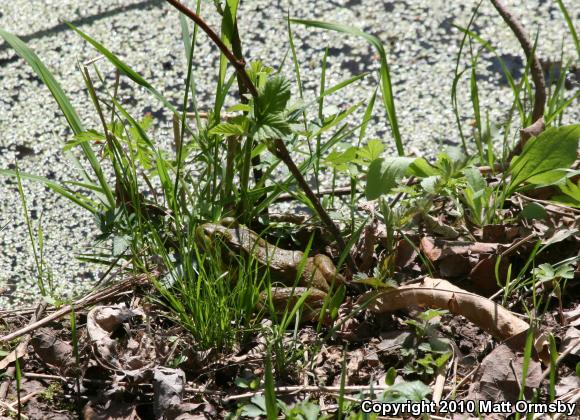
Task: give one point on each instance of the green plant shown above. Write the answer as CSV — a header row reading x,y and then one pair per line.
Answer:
x,y
425,351
545,158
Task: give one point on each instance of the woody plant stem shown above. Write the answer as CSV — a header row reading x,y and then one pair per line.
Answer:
x,y
280,150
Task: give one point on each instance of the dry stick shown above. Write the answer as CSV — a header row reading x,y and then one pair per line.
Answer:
x,y
535,68
339,191
281,151
302,388
90,299
239,64
528,47
12,370
537,200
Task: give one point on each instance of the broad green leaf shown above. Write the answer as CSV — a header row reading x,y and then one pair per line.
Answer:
x,y
407,391
545,157
422,169
228,129
571,195
373,150
272,126
474,179
384,175
533,211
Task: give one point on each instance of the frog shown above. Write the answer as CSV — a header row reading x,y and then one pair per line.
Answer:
x,y
319,271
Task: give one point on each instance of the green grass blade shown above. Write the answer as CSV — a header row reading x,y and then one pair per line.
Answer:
x,y
487,45
57,188
125,68
570,26
386,86
60,97
40,69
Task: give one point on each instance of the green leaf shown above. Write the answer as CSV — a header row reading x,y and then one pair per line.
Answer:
x,y
56,187
84,137
403,391
571,195
474,179
386,86
533,211
384,175
120,245
269,391
62,100
33,61
390,376
373,150
272,126
274,96
545,157
228,129
124,68
422,169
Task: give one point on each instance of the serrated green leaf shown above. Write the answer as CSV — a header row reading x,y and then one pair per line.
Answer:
x,y
422,169
372,150
384,175
228,129
274,96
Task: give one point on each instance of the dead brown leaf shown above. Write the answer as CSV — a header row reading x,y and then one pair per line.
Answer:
x,y
364,251
51,349
572,318
168,386
111,410
499,377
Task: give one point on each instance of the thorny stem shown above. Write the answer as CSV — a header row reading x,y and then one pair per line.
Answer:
x,y
239,64
536,66
280,148
282,153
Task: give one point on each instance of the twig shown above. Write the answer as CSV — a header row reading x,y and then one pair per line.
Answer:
x,y
24,344
339,191
537,200
528,47
537,125
279,149
239,64
89,299
572,400
302,388
461,382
